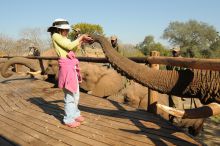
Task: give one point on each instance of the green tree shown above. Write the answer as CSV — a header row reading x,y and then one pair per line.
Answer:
x,y
149,45
86,28
215,48
194,38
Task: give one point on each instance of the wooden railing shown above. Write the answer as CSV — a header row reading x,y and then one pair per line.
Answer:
x,y
194,63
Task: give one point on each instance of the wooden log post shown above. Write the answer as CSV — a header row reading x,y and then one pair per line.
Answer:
x,y
153,95
17,68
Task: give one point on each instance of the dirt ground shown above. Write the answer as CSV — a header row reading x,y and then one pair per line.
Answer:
x,y
211,133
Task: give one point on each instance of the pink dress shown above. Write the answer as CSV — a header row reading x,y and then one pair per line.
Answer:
x,y
69,73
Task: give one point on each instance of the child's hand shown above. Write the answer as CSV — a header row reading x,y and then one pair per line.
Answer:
x,y
85,38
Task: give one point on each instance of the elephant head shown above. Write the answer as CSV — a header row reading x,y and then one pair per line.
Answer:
x,y
100,80
202,84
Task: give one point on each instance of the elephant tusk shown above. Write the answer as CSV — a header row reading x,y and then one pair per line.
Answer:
x,y
34,73
196,113
171,111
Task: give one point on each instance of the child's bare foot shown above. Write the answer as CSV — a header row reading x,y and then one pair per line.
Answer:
x,y
73,124
80,119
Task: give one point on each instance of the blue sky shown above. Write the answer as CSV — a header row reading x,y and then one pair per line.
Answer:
x,y
130,20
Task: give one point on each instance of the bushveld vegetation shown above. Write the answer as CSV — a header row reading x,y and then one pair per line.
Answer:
x,y
196,39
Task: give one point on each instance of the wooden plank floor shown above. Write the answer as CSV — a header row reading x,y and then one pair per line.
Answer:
x,y
31,114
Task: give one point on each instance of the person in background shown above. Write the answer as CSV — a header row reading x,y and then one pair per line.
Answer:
x,y
175,53
114,42
69,72
33,51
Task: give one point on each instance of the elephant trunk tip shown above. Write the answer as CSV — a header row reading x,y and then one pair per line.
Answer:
x,y
6,74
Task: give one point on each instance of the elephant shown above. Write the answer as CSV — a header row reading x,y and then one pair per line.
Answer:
x,y
132,94
95,77
38,68
99,80
189,83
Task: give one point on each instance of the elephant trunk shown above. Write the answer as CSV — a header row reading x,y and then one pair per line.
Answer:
x,y
187,83
153,79
202,112
18,60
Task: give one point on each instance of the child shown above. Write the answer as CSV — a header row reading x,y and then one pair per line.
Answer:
x,y
69,75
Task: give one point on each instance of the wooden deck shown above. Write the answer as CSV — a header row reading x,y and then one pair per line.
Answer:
x,y
31,114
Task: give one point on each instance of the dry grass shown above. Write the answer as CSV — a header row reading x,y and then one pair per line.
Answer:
x,y
216,119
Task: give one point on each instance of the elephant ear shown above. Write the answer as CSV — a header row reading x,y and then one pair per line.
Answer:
x,y
109,84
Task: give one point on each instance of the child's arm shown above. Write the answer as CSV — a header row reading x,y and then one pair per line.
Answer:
x,y
65,43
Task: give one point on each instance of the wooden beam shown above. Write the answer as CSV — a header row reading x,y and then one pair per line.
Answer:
x,y
194,63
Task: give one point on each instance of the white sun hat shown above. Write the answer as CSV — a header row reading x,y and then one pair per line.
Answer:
x,y
59,23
